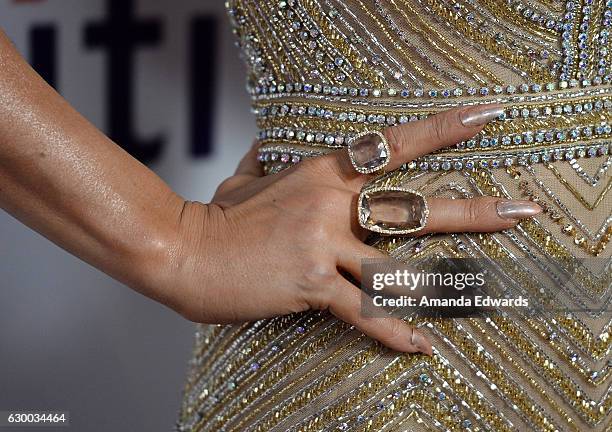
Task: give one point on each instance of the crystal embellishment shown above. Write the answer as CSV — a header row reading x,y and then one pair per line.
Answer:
x,y
369,152
392,210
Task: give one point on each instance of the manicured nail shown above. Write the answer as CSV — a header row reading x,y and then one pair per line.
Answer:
x,y
508,209
420,341
480,115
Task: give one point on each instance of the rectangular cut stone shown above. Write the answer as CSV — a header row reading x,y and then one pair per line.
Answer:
x,y
394,210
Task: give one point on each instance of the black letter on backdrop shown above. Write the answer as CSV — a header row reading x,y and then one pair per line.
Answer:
x,y
43,51
121,35
203,62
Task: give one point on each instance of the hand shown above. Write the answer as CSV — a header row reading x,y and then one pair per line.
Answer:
x,y
274,245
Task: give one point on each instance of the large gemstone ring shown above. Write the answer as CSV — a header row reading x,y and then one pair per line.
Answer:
x,y
369,152
392,210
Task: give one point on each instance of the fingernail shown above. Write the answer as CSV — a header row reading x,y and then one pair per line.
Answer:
x,y
509,209
420,341
480,115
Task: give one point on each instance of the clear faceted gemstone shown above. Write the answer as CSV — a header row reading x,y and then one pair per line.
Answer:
x,y
369,151
394,210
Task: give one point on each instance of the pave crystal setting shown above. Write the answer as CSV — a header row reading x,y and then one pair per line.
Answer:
x,y
369,152
392,210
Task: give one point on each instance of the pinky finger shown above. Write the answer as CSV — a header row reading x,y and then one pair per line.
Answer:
x,y
392,332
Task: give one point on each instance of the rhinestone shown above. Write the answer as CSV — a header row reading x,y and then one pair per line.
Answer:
x,y
424,378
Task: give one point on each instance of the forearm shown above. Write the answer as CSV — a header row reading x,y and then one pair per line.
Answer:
x,y
65,179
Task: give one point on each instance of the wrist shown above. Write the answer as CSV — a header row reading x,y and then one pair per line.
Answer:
x,y
156,256
175,263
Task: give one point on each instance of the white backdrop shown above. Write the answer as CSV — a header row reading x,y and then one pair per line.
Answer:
x,y
70,337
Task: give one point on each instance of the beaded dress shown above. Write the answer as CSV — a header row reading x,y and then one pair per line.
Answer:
x,y
319,71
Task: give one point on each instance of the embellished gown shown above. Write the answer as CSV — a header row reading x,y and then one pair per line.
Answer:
x,y
320,71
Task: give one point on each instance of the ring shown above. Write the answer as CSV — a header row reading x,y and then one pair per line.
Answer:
x,y
392,210
369,152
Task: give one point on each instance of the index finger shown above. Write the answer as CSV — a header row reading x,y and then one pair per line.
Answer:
x,y
412,140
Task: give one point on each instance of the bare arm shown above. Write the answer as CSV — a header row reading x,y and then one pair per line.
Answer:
x,y
62,177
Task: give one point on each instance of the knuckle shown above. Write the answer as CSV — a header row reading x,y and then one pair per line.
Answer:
x,y
317,276
436,127
472,210
317,165
395,136
308,166
396,330
319,272
325,200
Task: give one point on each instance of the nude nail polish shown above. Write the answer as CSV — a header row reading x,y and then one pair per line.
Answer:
x,y
480,115
420,341
509,209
